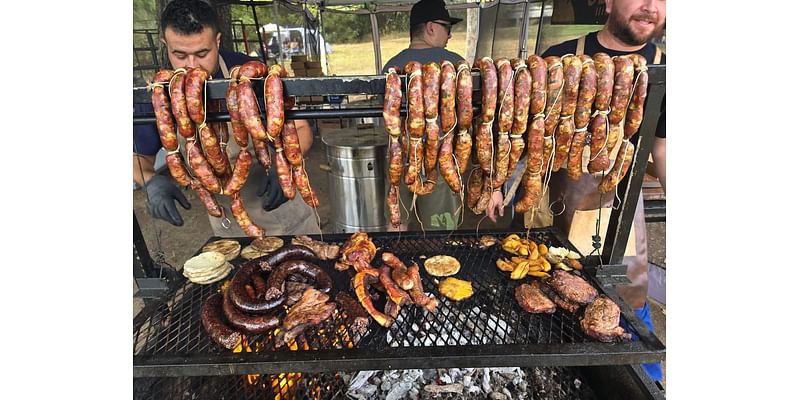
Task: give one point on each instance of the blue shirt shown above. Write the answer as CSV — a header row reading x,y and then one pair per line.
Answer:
x,y
145,137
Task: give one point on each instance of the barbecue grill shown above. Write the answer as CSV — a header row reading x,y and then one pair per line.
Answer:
x,y
175,358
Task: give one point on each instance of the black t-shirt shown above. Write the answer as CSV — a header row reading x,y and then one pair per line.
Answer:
x,y
592,46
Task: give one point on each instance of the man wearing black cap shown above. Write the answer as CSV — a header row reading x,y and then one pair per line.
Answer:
x,y
430,25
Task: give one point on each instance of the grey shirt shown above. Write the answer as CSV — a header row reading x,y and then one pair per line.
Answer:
x,y
424,56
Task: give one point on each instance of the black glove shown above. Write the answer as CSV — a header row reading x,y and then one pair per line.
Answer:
x,y
161,195
271,191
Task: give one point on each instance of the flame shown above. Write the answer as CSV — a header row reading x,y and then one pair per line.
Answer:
x,y
252,379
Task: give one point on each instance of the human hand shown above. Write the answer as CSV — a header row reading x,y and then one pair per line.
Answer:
x,y
495,203
271,191
161,196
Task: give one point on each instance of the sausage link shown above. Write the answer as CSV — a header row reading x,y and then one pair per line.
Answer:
x,y
214,323
604,67
417,294
200,167
505,94
538,71
395,160
216,156
262,154
277,278
287,252
474,186
399,270
502,156
232,101
291,144
575,160
240,170
284,171
177,169
598,153
393,202
242,218
483,146
259,284
621,165
392,98
464,95
361,281
463,150
488,88
555,97
623,82
586,93
536,160
195,82
547,153
563,140
566,126
304,186
248,110
177,98
447,96
431,80
486,195
522,99
447,166
416,109
633,119
253,324
207,198
415,156
273,100
533,192
161,107
253,69
239,297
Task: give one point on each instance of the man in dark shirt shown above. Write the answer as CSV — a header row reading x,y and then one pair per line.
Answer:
x,y
191,36
630,26
429,28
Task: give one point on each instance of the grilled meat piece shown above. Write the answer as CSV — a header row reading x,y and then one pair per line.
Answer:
x,y
294,291
324,250
572,287
361,282
311,310
560,301
601,320
357,318
358,252
531,298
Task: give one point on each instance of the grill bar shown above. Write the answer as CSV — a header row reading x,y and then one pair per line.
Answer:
x,y
487,330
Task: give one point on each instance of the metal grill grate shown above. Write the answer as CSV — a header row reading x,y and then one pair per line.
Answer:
x,y
555,383
488,329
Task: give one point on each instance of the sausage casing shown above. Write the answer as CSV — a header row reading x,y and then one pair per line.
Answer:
x,y
177,169
304,186
243,219
201,168
195,83
620,168
161,108
240,170
213,320
392,98
633,119
177,98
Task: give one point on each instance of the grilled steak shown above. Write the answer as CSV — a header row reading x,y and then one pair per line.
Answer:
x,y
601,321
310,311
324,250
572,287
532,300
560,301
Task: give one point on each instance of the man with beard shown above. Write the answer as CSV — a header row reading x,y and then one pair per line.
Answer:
x,y
630,26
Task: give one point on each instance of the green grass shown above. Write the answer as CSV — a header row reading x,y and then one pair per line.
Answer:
x,y
359,59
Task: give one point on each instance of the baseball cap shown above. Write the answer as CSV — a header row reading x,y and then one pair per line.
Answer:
x,y
430,10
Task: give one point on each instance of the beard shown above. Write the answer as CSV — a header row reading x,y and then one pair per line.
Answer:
x,y
621,29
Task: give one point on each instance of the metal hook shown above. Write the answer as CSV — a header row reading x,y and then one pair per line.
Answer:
x,y
225,223
563,206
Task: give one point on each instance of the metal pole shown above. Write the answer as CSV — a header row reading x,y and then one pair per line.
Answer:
x,y
523,33
258,33
539,29
376,42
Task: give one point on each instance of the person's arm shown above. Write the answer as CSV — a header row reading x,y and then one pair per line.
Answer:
x,y
659,153
304,134
495,203
143,168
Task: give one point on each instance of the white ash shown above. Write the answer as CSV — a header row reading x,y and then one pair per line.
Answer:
x,y
460,383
